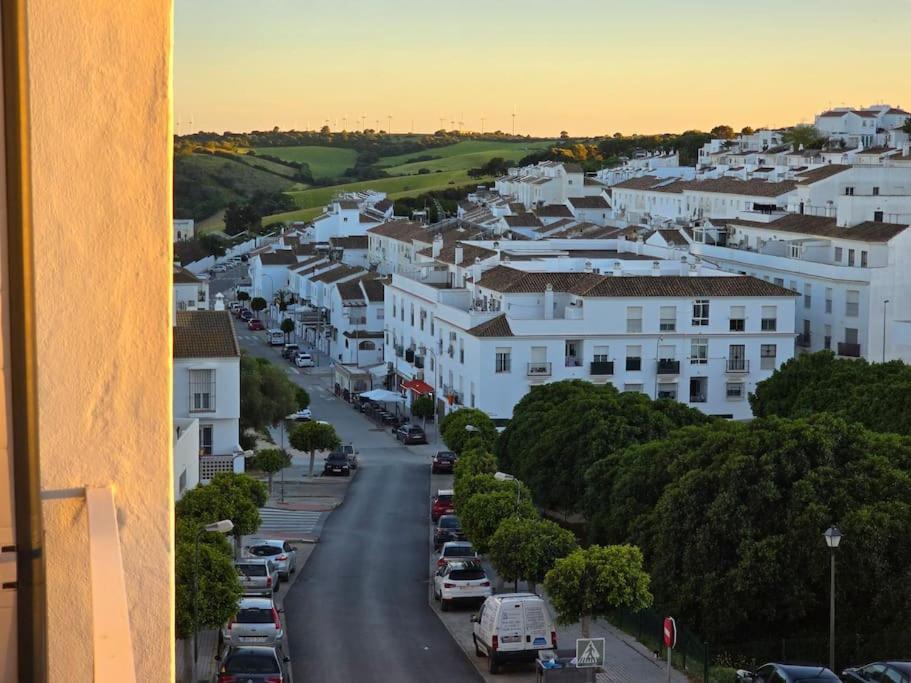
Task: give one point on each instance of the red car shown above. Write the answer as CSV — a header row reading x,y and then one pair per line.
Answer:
x,y
442,504
256,324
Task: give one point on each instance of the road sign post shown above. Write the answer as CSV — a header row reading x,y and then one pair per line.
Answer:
x,y
589,654
670,641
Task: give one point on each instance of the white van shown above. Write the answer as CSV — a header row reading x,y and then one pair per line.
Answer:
x,y
275,337
513,627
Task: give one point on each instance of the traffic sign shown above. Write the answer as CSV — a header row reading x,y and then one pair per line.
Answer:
x,y
589,652
670,633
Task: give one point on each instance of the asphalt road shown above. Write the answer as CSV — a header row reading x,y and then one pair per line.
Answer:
x,y
359,609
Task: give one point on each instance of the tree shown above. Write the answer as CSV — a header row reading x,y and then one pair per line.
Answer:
x,y
241,218
595,581
302,397
314,436
258,304
527,548
422,407
482,513
452,428
267,395
467,485
270,461
214,244
475,461
287,327
564,135
722,132
805,136
747,130
243,296
906,126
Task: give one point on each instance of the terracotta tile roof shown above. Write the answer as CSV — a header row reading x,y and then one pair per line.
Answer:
x,y
673,237
646,182
877,150
283,257
750,188
597,202
506,279
682,286
308,263
821,173
374,289
495,327
205,334
350,242
572,167
592,182
303,249
347,204
182,276
350,291
874,231
469,253
833,114
554,211
868,114
402,230
336,274
523,220
383,205
819,226
517,207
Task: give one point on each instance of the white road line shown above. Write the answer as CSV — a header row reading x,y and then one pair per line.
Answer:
x,y
294,521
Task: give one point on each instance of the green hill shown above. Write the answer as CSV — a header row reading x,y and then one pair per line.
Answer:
x,y
460,156
324,162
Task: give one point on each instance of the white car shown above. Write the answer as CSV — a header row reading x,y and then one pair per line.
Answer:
x,y
282,554
304,360
456,551
513,627
460,581
303,415
255,623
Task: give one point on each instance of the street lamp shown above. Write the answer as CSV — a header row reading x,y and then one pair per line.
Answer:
x,y
833,538
225,526
885,303
502,476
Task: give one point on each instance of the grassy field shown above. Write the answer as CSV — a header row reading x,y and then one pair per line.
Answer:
x,y
267,165
324,162
460,156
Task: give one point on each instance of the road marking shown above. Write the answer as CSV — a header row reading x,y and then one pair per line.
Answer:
x,y
287,523
295,371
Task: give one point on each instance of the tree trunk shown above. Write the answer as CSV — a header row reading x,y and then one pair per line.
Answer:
x,y
270,483
586,626
236,545
189,670
312,455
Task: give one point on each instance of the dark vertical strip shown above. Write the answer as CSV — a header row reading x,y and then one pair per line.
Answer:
x,y
31,596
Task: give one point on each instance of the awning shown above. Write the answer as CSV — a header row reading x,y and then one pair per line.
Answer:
x,y
419,387
382,396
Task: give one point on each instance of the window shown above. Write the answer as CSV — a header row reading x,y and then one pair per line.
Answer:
x,y
794,250
852,303
202,391
700,312
412,315
793,285
699,351
838,251
668,318
421,315
779,281
431,325
737,358
851,336
769,321
634,318
828,299
827,339
850,257
504,361
738,318
393,306
807,296
667,390
734,391
461,350
878,216
633,358
601,354
205,439
863,259
875,191
849,191
632,387
767,354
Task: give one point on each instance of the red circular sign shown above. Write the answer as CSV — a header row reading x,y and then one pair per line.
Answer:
x,y
670,633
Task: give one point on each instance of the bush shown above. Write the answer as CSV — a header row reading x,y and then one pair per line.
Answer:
x,y
452,428
483,512
475,461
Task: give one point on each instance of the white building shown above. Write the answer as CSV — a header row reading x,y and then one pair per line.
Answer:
x,y
547,182
207,390
190,293
186,455
866,127
184,229
269,271
356,314
665,328
351,214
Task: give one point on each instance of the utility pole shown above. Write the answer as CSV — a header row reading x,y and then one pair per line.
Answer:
x,y
482,125
389,123
513,120
363,121
442,123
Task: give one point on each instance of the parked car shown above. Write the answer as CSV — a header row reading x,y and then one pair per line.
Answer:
x,y
443,461
257,576
282,554
448,528
302,415
255,324
512,627
304,360
255,623
252,664
351,453
463,580
275,337
289,351
442,504
244,258
456,551
410,434
336,463
897,672
220,268
234,306
246,315
787,673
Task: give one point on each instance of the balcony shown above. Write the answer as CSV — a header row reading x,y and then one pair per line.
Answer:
x,y
666,366
602,368
803,340
850,350
409,355
737,366
419,361
633,364
538,370
399,351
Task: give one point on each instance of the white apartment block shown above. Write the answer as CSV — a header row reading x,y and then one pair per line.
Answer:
x,y
190,293
351,214
876,125
184,229
548,182
665,328
356,315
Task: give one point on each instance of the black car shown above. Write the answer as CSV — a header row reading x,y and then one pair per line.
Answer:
x,y
448,528
252,664
443,461
246,315
900,672
787,673
410,434
336,463
289,351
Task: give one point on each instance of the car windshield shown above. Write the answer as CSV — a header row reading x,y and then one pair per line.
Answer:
x,y
467,575
445,498
254,616
251,569
449,522
337,458
265,550
414,430
445,456
252,663
458,551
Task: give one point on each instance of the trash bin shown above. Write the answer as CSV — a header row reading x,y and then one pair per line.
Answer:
x,y
566,673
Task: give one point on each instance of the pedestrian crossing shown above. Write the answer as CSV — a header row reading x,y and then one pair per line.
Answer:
x,y
287,524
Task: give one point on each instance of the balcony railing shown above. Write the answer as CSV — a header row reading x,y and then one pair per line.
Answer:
x,y
803,340
847,349
737,365
399,351
602,368
666,366
409,355
538,370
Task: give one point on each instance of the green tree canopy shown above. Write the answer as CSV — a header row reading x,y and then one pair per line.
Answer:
x,y
482,513
596,581
467,485
526,548
302,397
906,126
804,135
559,429
422,407
287,327
270,461
722,132
243,296
452,428
475,461
266,393
227,496
314,436
258,304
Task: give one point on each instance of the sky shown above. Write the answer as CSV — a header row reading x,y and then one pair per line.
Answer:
x,y
590,67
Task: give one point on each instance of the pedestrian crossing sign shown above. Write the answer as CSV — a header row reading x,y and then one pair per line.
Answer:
x,y
589,652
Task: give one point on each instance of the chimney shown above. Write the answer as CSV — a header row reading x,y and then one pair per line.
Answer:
x,y
219,302
588,266
437,246
906,148
549,302
617,270
476,270
459,253
639,242
656,268
684,266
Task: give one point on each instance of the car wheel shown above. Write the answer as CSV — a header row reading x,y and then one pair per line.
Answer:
x,y
493,666
477,650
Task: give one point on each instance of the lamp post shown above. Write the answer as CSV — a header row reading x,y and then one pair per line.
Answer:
x,y
502,476
225,526
885,303
833,538
271,293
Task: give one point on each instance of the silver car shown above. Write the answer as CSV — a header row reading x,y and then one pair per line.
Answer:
x,y
257,576
282,554
256,623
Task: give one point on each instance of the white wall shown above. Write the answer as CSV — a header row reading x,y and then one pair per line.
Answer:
x,y
226,415
186,456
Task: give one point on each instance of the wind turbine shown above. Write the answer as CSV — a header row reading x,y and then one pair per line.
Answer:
x,y
482,125
389,123
442,123
513,119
